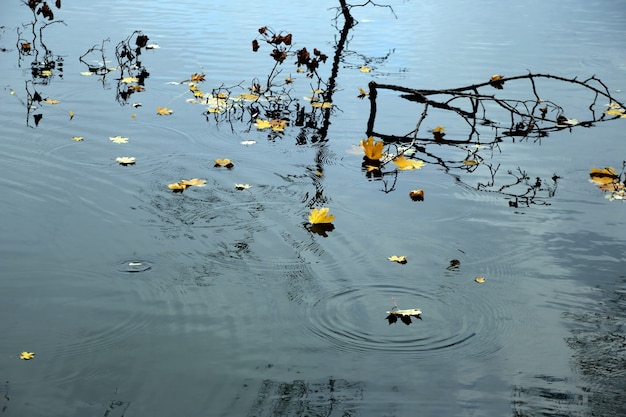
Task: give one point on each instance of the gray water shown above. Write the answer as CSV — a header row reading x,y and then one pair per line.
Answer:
x,y
138,301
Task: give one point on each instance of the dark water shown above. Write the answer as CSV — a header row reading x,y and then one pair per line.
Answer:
x,y
138,301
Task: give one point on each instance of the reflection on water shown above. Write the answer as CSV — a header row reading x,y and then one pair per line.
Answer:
x,y
226,301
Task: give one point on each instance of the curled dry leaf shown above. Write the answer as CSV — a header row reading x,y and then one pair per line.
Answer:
x,y
399,259
417,195
125,160
226,163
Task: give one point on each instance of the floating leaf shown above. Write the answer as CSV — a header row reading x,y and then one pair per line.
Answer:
x,y
118,139
603,176
363,93
197,77
129,80
405,164
152,46
164,111
262,124
193,182
366,69
242,186
404,315
71,114
52,101
133,116
322,104
46,73
248,142
77,138
320,216
470,162
399,259
125,160
135,105
27,356
226,163
480,280
373,150
496,77
439,129
417,195
176,187
289,80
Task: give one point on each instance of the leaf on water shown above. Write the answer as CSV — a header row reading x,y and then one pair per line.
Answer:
x,y
242,186
86,73
439,129
27,356
197,77
496,77
262,124
247,96
193,182
322,104
399,259
71,114
118,139
373,150
125,160
77,138
130,80
366,69
320,216
276,125
135,105
152,46
479,280
289,80
164,111
603,176
248,142
51,101
406,164
226,163
417,195
176,187
362,93
46,73
133,116
470,162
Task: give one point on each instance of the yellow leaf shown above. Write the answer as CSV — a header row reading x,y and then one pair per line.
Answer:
x,y
129,80
77,138
193,182
125,160
27,355
164,111
222,96
176,187
133,116
248,96
320,216
262,124
224,163
439,129
52,101
398,259
373,150
363,92
470,162
278,125
480,280
322,104
118,139
71,114
405,164
46,73
615,112
214,110
288,80
365,69
496,77
197,77
603,176
242,186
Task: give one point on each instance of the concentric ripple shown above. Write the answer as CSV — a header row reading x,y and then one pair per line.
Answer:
x,y
454,322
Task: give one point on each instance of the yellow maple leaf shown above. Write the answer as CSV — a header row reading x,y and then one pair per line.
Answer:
x,y
52,101
176,187
129,80
227,163
373,150
77,138
27,356
398,259
439,129
193,182
125,160
405,164
118,139
615,112
278,125
164,111
262,124
320,216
